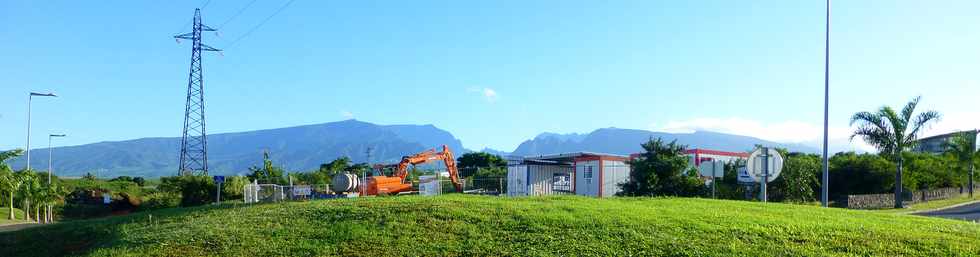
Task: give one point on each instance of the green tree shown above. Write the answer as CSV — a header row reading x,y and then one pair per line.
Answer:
x,y
797,180
893,133
9,183
470,163
964,147
268,173
28,191
659,171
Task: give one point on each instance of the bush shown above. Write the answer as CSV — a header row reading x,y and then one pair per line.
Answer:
x,y
160,200
193,190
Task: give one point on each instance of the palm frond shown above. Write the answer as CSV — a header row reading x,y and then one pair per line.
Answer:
x,y
921,122
909,109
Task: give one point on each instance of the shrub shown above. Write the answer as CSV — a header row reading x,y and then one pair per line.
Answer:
x,y
193,190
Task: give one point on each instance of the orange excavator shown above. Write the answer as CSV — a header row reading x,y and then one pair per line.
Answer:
x,y
396,183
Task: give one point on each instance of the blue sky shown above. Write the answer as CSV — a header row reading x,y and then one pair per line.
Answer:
x,y
494,73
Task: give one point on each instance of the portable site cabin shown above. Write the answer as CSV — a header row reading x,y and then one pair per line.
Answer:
x,y
580,173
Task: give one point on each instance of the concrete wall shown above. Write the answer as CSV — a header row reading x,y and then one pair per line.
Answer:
x,y
880,201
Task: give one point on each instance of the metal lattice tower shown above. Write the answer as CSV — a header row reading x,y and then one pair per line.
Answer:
x,y
194,144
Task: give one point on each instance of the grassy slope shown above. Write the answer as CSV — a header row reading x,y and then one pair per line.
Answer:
x,y
5,212
479,226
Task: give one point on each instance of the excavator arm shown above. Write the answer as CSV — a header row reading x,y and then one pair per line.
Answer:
x,y
446,156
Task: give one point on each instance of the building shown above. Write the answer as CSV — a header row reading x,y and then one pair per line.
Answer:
x,y
937,143
696,156
580,173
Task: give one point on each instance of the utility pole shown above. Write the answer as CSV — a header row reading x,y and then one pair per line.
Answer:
x,y
825,181
972,160
194,145
30,98
50,170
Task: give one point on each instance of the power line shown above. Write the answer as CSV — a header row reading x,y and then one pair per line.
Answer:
x,y
249,32
240,11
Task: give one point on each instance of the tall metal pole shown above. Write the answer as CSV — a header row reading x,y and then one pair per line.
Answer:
x,y
50,169
49,159
30,98
825,182
972,161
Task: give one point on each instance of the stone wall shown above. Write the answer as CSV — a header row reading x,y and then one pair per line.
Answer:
x,y
881,201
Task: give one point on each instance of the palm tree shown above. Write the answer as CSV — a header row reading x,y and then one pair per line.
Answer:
x,y
964,147
8,181
893,133
28,190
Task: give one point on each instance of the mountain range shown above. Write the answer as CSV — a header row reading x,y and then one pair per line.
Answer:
x,y
303,148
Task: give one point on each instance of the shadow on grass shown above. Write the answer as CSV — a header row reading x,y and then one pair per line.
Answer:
x,y
81,237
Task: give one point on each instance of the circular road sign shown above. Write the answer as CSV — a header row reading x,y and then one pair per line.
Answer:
x,y
754,165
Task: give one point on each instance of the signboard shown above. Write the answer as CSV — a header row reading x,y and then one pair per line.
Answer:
x,y
743,176
302,190
219,179
755,165
106,198
429,185
561,182
712,169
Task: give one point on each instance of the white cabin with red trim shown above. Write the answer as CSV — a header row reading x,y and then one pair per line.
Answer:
x,y
580,173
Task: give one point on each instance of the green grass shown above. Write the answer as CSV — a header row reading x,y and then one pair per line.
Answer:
x,y
931,205
457,225
5,212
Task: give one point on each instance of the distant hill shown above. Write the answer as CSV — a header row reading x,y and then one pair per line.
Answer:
x,y
295,148
304,148
627,141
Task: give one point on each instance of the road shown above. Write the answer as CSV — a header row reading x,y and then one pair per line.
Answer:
x,y
969,212
17,226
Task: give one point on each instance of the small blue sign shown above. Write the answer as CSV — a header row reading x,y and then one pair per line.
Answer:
x,y
219,179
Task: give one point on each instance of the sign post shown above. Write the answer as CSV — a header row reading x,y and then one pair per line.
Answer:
x,y
712,169
764,166
218,180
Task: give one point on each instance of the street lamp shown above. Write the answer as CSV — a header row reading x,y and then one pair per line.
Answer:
x,y
29,99
49,155
824,184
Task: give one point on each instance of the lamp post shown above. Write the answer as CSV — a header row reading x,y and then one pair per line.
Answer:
x,y
50,171
30,98
824,184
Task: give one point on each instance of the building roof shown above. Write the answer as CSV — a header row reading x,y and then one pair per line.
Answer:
x,y
567,157
716,152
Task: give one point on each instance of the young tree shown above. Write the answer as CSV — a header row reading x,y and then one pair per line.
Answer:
x,y
797,180
30,185
268,173
964,147
893,133
660,172
9,183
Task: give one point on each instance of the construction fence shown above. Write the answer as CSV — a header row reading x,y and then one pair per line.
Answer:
x,y
263,193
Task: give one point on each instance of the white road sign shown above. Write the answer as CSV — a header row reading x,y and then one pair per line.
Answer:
x,y
755,165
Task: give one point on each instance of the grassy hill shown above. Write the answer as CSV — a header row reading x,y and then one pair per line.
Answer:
x,y
457,225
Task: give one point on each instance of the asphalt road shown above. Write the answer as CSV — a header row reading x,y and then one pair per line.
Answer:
x,y
969,212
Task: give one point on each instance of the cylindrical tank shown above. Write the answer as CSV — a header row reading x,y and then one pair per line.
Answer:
x,y
344,182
